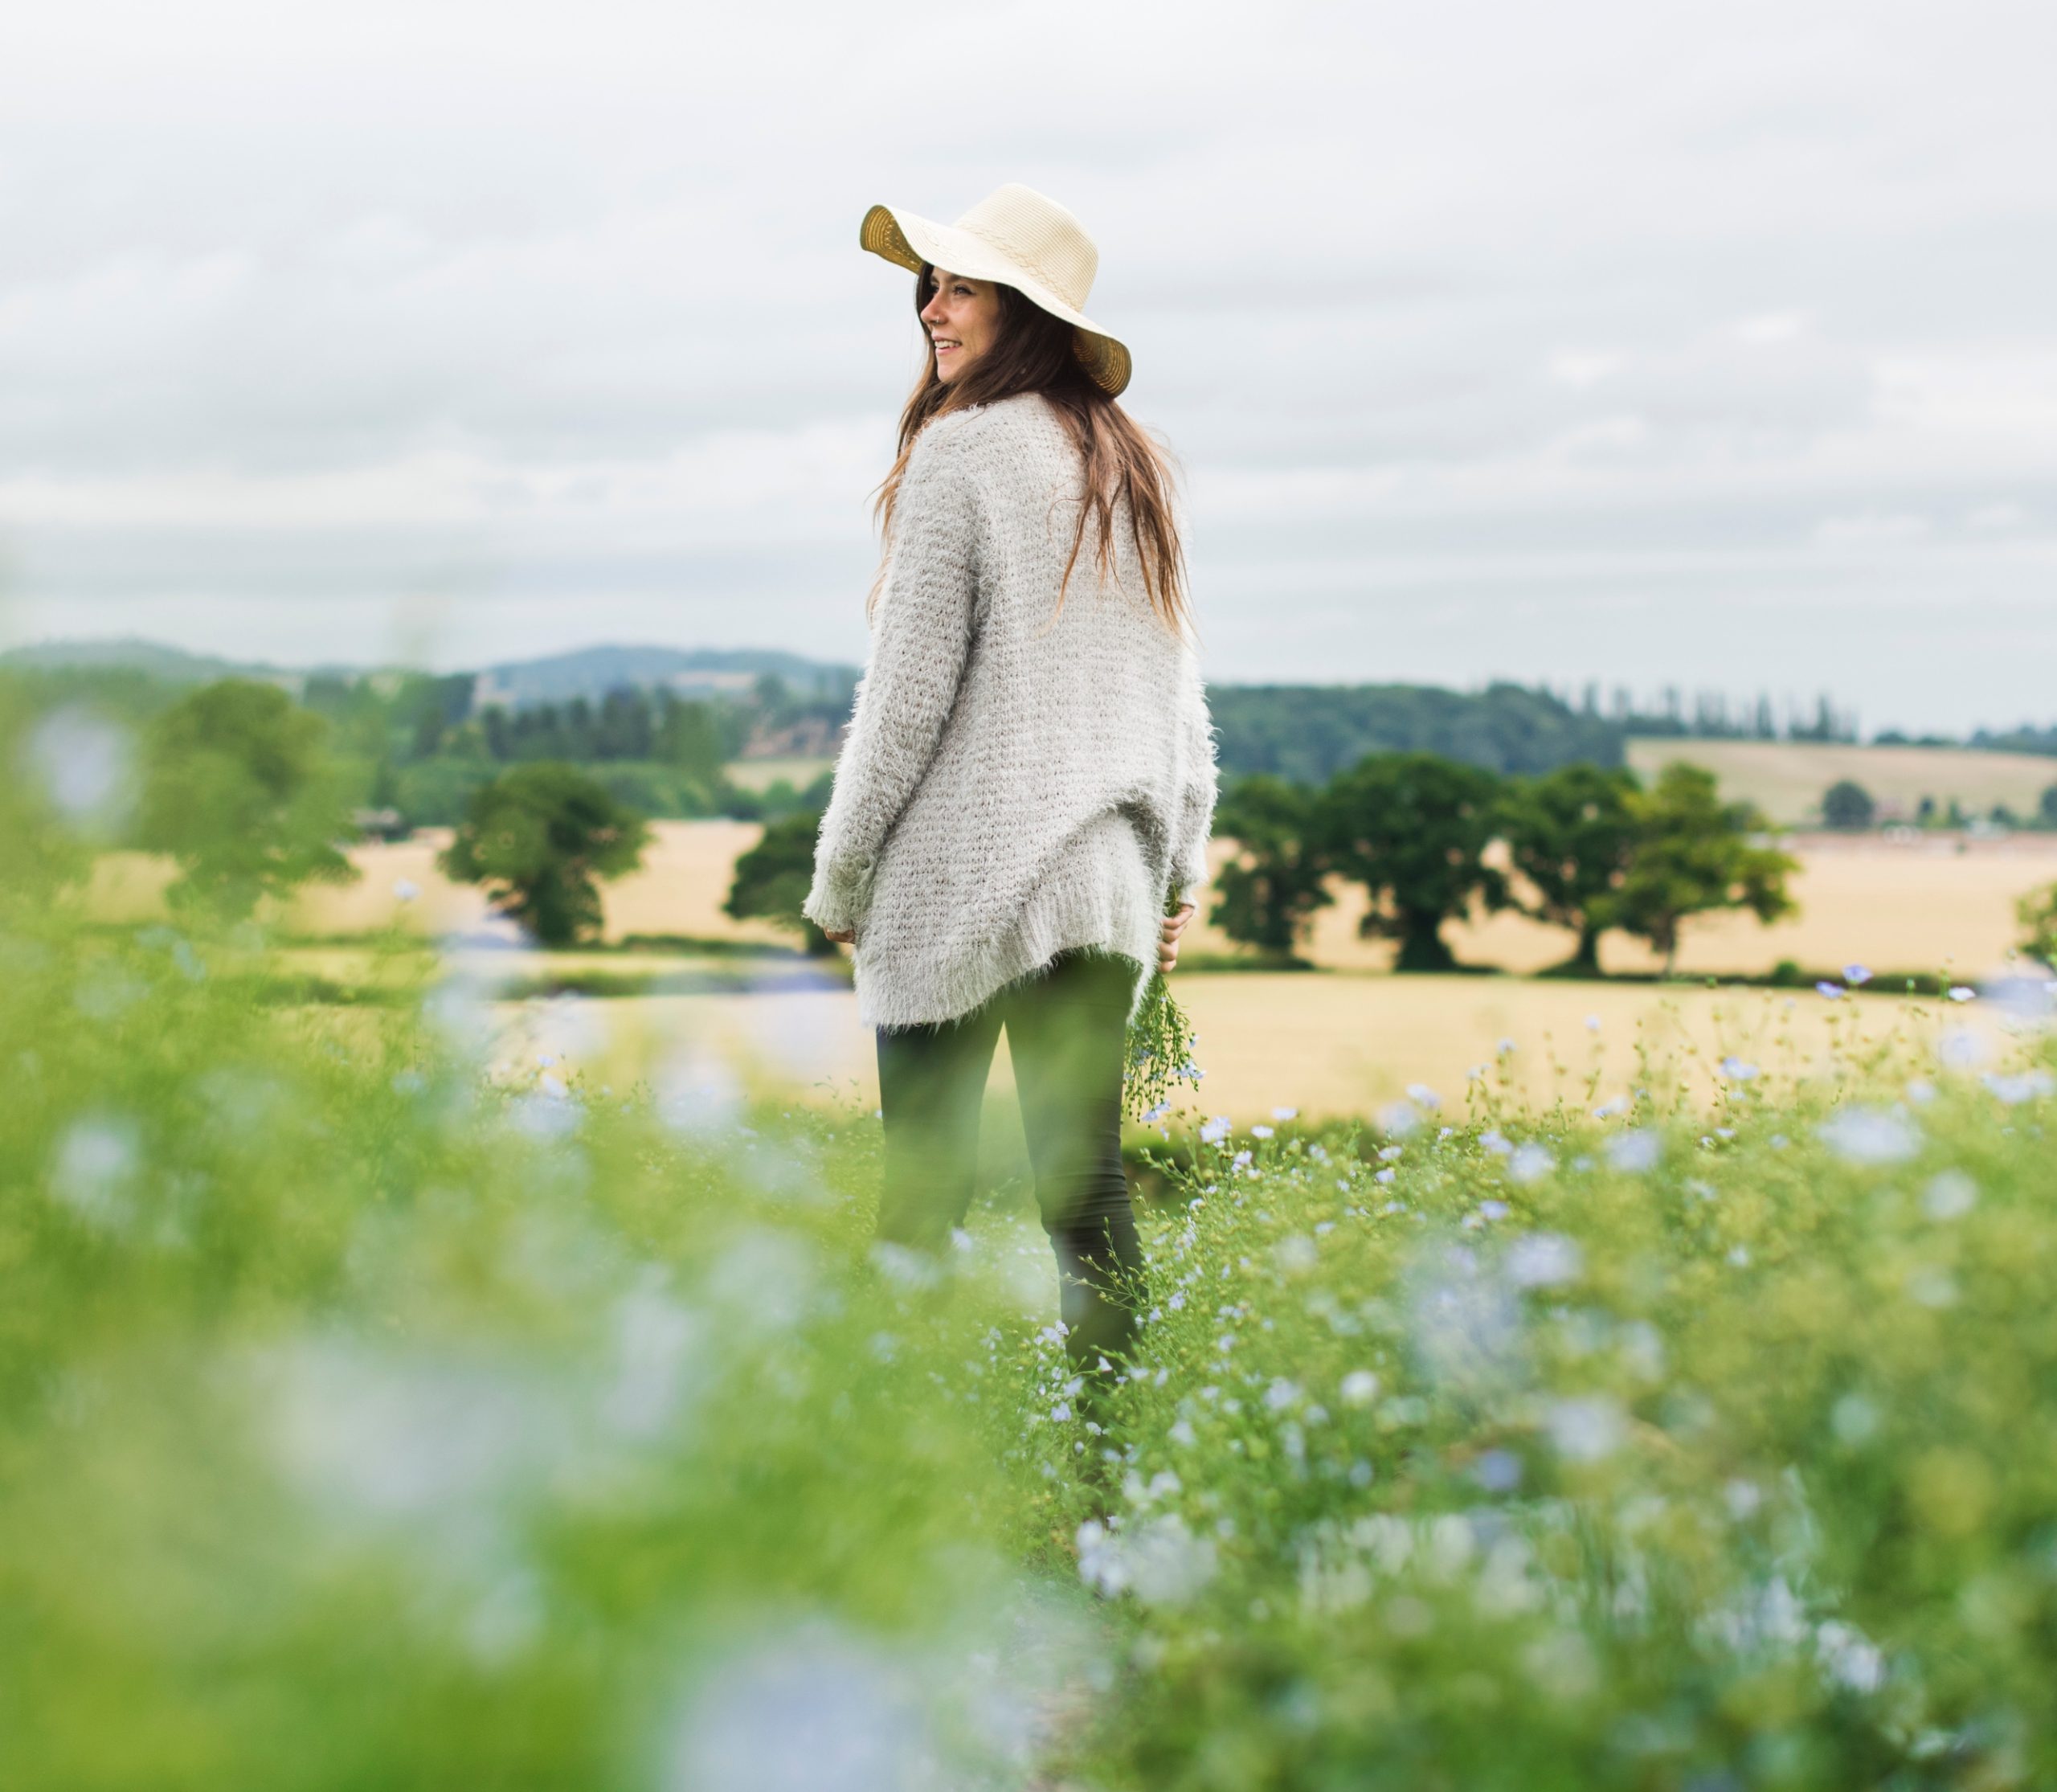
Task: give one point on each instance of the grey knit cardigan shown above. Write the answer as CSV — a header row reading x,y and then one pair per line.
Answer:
x,y
1017,779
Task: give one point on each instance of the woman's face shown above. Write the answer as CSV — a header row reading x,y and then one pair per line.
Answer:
x,y
962,318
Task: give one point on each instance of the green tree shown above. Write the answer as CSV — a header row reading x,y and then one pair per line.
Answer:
x,y
1412,828
1694,854
689,737
537,837
1847,805
2046,807
2038,914
238,788
428,708
773,877
1570,833
1267,894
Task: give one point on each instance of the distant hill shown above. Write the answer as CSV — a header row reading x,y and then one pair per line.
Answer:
x,y
173,664
592,672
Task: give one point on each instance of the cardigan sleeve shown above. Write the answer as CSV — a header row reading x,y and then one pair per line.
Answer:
x,y
1195,816
919,645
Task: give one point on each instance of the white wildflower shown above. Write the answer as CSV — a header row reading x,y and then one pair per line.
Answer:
x,y
1869,1135
1160,1562
1543,1259
1585,1428
1960,1049
1950,1196
2024,1087
1400,1118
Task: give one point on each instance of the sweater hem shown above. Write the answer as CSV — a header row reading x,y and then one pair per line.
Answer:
x,y
1060,917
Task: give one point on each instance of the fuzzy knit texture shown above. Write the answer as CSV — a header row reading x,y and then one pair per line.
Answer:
x,y
1018,779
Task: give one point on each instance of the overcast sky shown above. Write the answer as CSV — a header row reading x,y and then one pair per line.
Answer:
x,y
1612,339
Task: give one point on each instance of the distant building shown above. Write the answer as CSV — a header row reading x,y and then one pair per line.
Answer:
x,y
813,737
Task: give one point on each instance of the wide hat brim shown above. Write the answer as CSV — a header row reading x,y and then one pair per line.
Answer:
x,y
908,240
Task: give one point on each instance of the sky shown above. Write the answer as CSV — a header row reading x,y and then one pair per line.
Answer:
x,y
1616,340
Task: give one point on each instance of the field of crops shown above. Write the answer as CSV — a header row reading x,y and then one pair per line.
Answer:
x,y
1332,1046
385,1409
1785,779
1906,907
1338,1044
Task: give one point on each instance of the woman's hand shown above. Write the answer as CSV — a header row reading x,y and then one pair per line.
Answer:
x,y
1167,945
848,938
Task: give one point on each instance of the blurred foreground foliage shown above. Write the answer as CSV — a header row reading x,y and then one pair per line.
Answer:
x,y
381,1406
237,787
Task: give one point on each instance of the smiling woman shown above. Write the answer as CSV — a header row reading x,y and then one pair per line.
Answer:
x,y
1027,784
962,318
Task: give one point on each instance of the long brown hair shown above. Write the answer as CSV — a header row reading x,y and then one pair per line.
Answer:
x,y
1032,352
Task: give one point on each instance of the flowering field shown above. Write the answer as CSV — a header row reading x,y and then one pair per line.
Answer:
x,y
371,1420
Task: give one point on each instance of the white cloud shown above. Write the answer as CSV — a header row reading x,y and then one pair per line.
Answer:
x,y
1869,530
561,315
1771,326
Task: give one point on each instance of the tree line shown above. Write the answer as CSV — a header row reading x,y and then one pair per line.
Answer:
x,y
1309,733
1584,846
1847,807
423,749
1431,841
237,785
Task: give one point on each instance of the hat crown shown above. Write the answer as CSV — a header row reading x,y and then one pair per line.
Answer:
x,y
1040,236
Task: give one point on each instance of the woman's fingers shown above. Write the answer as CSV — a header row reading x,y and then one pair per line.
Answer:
x,y
1167,937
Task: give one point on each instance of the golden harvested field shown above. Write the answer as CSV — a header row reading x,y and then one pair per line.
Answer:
x,y
1339,1043
1786,778
681,889
1908,907
762,774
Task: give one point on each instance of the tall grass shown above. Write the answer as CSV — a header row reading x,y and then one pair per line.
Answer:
x,y
372,1418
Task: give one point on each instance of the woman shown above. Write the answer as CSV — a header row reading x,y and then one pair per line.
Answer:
x,y
1029,774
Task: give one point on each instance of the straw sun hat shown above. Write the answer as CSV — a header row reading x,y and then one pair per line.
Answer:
x,y
1015,236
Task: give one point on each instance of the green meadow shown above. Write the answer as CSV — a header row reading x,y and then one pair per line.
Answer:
x,y
380,1411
